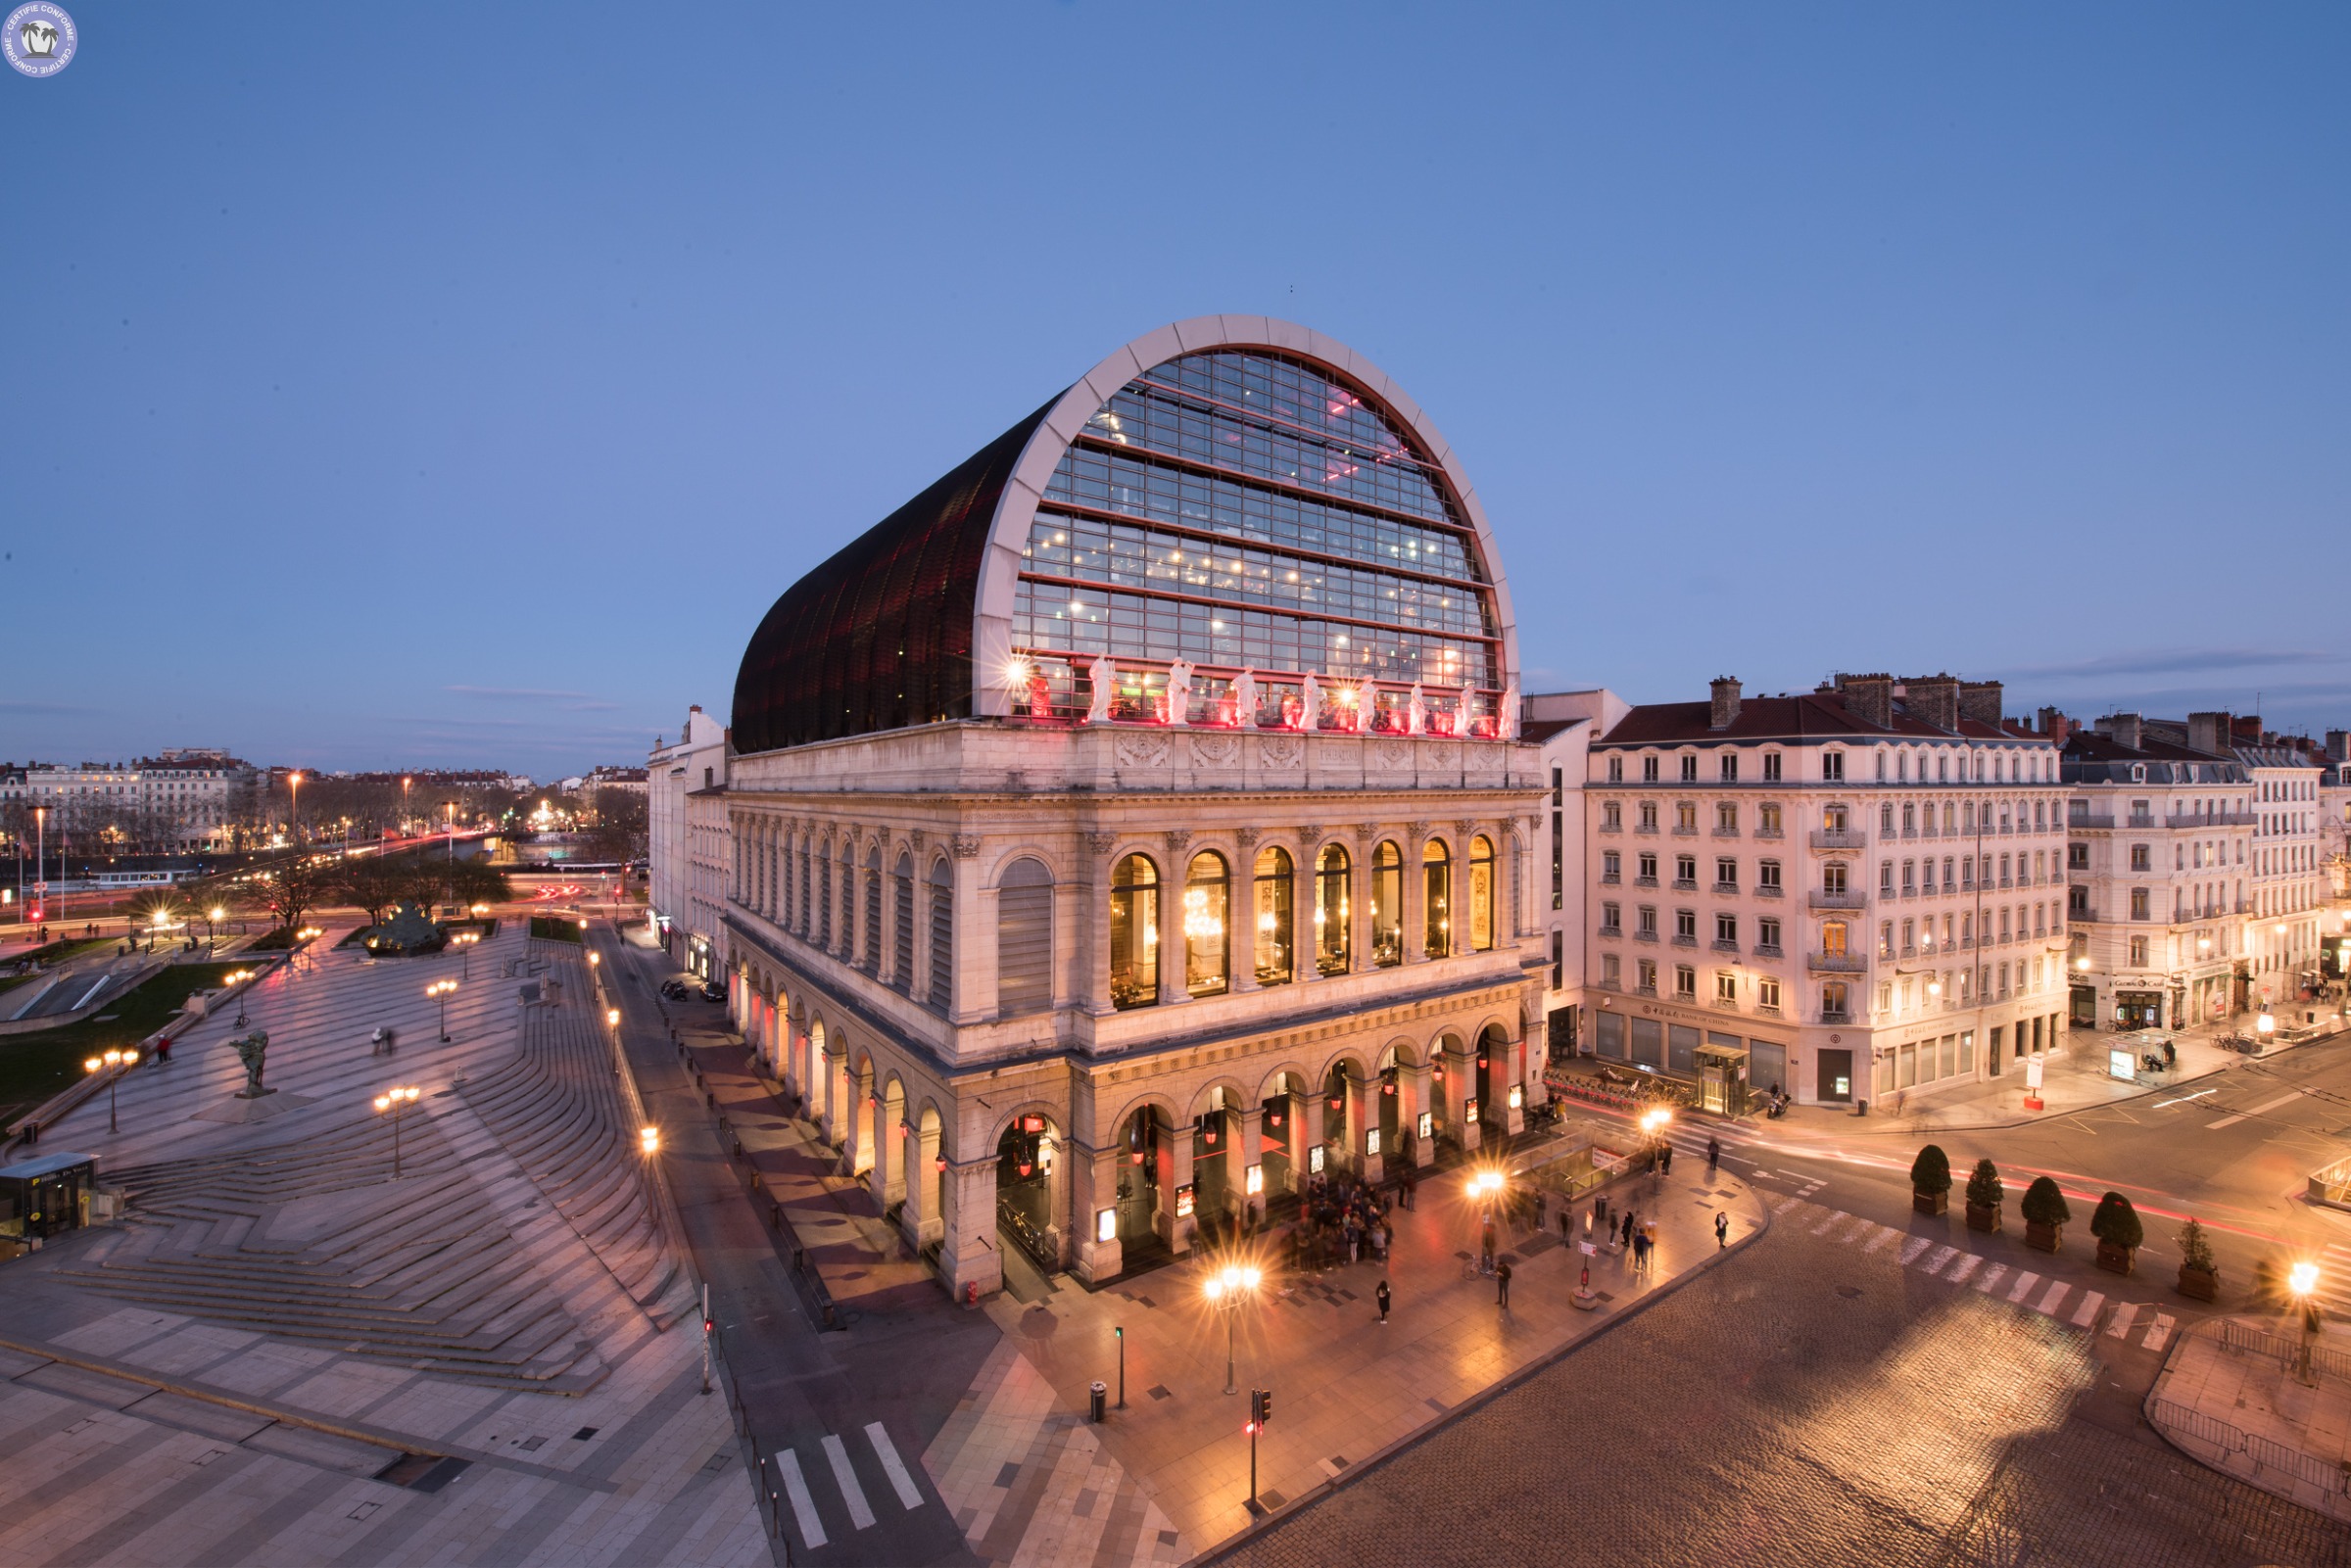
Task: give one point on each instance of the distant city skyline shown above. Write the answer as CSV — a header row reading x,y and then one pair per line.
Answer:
x,y
479,422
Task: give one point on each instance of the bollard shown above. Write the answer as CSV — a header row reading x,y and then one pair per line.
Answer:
x,y
775,1217
1097,1398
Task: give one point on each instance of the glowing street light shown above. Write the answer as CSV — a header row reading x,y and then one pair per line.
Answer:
x,y
464,942
2303,1281
648,1141
1228,1289
395,1100
212,919
439,991
114,1059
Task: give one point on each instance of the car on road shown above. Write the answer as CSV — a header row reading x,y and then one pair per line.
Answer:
x,y
712,991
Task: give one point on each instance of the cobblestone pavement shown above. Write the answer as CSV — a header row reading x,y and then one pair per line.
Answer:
x,y
1807,1403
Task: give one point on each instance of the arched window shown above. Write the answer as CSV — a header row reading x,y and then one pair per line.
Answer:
x,y
1207,907
942,936
1275,917
1134,933
871,955
1023,938
1436,884
1332,954
824,897
901,923
1481,894
1387,905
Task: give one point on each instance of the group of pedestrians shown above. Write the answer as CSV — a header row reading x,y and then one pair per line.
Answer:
x,y
1346,1221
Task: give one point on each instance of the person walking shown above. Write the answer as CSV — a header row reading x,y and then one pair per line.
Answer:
x,y
1722,1231
1666,1159
1502,1284
1641,1253
1382,1298
1628,1227
1713,1154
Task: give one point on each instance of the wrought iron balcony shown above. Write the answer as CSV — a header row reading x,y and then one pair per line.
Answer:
x,y
1822,898
1838,838
1835,964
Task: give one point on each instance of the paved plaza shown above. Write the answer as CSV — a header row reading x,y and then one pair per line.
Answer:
x,y
288,1355
1818,1403
2230,1395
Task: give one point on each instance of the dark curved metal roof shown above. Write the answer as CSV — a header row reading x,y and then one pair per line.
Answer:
x,y
880,637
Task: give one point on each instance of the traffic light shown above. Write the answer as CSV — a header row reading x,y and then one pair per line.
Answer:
x,y
1261,1408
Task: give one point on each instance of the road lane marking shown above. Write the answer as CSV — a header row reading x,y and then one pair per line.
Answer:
x,y
2087,1312
861,1513
2023,1286
1967,1267
1886,1235
2161,1332
2164,1105
2262,1108
1991,1276
803,1506
2124,1315
909,1495
2048,1302
1834,1215
1913,1247
1942,1255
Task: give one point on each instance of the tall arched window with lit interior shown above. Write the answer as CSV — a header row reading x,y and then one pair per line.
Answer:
x,y
1276,911
1332,943
1387,905
1481,894
1207,908
1134,933
1436,887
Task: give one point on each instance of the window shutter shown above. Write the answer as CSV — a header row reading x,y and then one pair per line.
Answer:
x,y
1023,940
942,938
902,945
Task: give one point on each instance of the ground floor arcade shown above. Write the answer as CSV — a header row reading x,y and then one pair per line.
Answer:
x,y
1102,1166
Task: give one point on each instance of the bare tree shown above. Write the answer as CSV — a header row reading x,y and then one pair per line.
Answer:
x,y
290,887
374,882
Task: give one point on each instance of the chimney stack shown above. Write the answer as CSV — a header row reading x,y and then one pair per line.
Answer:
x,y
2057,726
1725,708
1980,702
2123,729
1934,698
1868,699
2208,733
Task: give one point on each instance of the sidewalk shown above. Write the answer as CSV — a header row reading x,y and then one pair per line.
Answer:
x,y
2075,1080
2230,1399
1345,1389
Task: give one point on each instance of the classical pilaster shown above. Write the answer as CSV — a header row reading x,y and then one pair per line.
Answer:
x,y
1171,919
1251,1155
1091,935
1415,893
1413,1093
1095,1177
967,1254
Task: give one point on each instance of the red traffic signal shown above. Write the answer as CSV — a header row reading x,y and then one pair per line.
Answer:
x,y
1261,1408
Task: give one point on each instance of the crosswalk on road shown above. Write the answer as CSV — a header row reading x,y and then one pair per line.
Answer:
x,y
2058,1299
838,1464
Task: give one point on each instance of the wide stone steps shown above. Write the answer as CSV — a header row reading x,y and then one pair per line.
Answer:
x,y
557,1111
311,1241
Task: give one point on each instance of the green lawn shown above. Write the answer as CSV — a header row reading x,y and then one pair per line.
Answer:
x,y
34,1067
59,951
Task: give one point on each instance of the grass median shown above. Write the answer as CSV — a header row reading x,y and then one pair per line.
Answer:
x,y
34,1067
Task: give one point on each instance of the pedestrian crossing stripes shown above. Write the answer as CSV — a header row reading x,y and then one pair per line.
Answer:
x,y
2059,1300
838,1463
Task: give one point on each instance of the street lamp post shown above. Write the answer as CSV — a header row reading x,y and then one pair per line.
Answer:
x,y
211,926
294,794
465,941
397,1100
2303,1280
114,1059
1228,1289
439,991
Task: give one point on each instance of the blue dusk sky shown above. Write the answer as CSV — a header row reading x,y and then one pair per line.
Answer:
x,y
428,385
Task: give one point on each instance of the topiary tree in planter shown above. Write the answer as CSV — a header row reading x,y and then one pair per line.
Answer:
x,y
1984,1194
2117,1229
1931,1180
2199,1271
2045,1213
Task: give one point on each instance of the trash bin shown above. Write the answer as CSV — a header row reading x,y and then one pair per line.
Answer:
x,y
1098,1395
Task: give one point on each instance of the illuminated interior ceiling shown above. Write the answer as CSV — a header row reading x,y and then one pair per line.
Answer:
x,y
1231,492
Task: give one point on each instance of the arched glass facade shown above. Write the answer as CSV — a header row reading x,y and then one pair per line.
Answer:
x,y
1240,511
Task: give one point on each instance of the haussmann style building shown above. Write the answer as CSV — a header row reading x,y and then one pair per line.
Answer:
x,y
1134,821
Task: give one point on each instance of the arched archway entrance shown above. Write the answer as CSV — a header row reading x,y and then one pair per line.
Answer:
x,y
1028,1216
1146,1184
1284,1121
